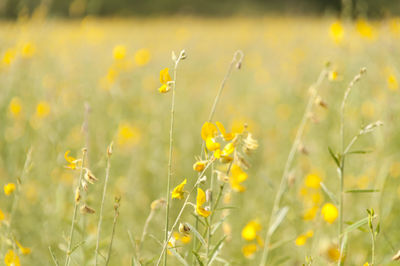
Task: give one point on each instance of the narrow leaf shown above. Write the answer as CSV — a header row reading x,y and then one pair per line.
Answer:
x,y
216,249
343,249
197,234
329,193
359,152
178,256
278,220
198,258
362,190
356,225
334,157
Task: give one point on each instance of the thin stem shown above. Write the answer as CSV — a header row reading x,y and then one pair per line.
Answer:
x,y
109,152
146,225
116,214
171,145
53,257
76,204
237,58
181,212
294,148
343,156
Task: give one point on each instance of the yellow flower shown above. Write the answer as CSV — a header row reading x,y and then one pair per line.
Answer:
x,y
15,107
337,32
302,239
249,250
227,136
199,166
9,56
250,231
208,132
333,253
312,181
178,192
24,250
237,177
366,264
165,78
329,212
142,57
310,213
224,154
2,216
11,258
73,162
128,135
9,188
392,82
119,52
200,200
365,29
28,50
42,109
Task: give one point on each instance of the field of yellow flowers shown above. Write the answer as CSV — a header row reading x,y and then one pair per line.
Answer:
x,y
276,153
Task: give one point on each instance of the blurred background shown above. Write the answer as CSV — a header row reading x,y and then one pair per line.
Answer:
x,y
79,8
84,73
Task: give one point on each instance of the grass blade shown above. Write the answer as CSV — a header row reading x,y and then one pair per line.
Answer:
x,y
197,256
197,234
279,218
334,157
329,193
215,251
362,190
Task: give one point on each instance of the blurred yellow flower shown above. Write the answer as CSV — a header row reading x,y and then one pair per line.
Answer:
x,y
11,258
2,216
24,250
333,75
128,135
200,200
42,109
337,32
9,188
227,136
249,250
310,213
119,52
73,162
199,166
28,50
9,56
392,82
237,176
366,264
15,107
178,192
329,212
251,229
302,239
312,181
333,253
165,78
365,29
142,57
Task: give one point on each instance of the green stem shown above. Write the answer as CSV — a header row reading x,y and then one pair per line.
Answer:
x,y
76,204
102,203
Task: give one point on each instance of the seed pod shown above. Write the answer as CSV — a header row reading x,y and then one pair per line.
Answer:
x,y
184,229
77,195
89,176
87,210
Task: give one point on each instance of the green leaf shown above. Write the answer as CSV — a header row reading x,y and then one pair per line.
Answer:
x,y
362,191
197,234
360,152
178,256
356,225
343,249
334,157
215,251
278,220
329,193
198,258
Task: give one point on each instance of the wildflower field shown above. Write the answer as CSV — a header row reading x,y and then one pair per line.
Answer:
x,y
199,141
